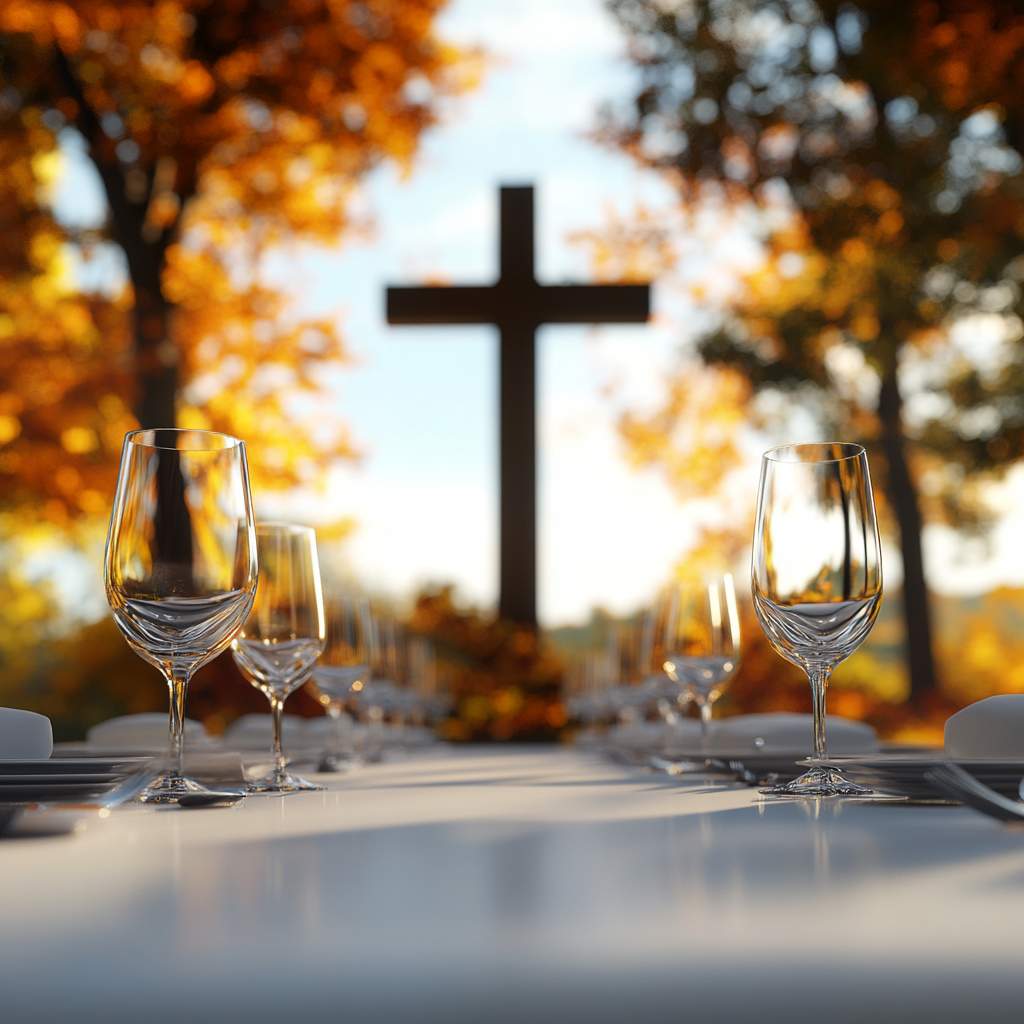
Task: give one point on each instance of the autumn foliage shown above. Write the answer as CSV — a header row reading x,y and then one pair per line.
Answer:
x,y
880,145
505,680
221,131
218,129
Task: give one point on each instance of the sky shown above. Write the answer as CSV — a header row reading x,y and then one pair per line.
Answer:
x,y
422,402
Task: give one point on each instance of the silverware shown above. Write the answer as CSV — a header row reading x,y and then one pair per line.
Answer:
x,y
707,766
955,782
213,798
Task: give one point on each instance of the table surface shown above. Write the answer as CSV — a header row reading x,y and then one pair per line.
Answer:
x,y
517,884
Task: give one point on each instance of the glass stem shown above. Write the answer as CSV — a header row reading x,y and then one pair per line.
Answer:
x,y
277,710
818,675
705,718
335,712
177,683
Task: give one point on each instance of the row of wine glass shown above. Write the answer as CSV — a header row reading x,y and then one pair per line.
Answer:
x,y
188,572
684,649
182,564
816,585
348,658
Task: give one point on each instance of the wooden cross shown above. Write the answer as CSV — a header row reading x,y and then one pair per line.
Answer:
x,y
517,305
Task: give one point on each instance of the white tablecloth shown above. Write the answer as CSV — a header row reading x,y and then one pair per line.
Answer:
x,y
519,885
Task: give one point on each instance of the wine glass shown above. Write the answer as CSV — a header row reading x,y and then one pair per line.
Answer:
x,y
817,572
702,641
283,634
180,563
342,670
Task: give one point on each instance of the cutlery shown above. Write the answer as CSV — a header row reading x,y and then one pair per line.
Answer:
x,y
709,764
958,784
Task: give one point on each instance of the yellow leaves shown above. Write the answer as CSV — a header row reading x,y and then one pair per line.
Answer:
x,y
854,250
242,135
246,364
295,129
47,166
980,650
10,428
633,249
694,437
865,327
192,418
93,502
716,551
79,440
44,249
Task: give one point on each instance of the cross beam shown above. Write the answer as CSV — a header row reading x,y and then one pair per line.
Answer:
x,y
517,305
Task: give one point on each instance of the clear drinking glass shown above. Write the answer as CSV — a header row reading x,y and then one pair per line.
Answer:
x,y
342,670
702,640
180,562
817,572
283,635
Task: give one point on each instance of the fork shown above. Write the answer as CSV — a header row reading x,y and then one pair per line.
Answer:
x,y
955,782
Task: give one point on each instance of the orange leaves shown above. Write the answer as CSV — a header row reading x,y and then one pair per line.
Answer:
x,y
246,366
969,56
890,224
58,445
230,126
196,84
44,21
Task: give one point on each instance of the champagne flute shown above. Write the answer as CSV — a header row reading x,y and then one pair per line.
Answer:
x,y
817,573
342,670
283,634
702,641
180,563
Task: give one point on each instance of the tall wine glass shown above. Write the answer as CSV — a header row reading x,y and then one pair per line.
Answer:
x,y
180,562
283,634
342,670
817,572
702,640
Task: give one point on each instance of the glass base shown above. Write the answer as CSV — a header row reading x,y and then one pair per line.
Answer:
x,y
339,763
281,782
819,781
167,788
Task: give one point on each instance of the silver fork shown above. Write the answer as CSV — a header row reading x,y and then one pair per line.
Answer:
x,y
955,782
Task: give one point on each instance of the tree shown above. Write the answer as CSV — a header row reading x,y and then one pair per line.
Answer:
x,y
218,128
884,141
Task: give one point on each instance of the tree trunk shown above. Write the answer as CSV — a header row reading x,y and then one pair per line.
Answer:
x,y
156,356
901,493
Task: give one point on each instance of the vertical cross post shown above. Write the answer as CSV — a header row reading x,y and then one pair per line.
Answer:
x,y
517,305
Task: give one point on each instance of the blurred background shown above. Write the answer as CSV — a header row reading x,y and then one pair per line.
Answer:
x,y
201,205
